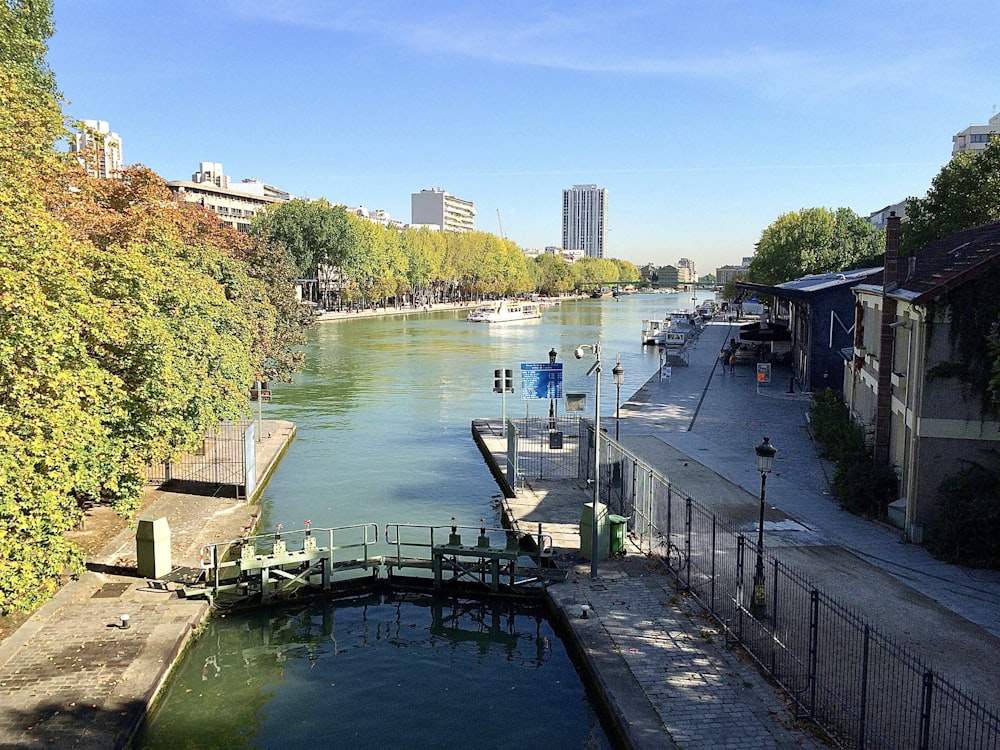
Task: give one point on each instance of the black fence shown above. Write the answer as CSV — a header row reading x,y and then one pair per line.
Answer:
x,y
220,462
863,689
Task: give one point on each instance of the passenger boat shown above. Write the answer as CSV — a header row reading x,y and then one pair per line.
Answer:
x,y
674,331
506,311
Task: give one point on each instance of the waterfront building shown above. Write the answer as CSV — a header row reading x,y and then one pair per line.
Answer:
x,y
726,274
99,149
237,205
975,137
585,220
377,216
436,207
687,273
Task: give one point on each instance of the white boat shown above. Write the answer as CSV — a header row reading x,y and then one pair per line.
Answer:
x,y
506,311
673,332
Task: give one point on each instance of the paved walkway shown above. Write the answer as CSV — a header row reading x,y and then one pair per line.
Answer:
x,y
699,427
72,676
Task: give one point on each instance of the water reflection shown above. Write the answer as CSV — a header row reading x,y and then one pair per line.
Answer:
x,y
375,672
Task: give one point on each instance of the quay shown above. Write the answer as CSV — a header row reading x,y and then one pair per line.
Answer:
x,y
73,676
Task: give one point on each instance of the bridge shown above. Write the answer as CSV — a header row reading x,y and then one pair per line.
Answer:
x,y
285,565
647,284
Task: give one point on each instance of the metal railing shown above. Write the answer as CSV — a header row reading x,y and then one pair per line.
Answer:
x,y
860,686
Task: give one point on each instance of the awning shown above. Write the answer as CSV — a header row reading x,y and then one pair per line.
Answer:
x,y
762,331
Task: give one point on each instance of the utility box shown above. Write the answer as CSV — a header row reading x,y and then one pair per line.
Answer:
x,y
618,528
152,547
587,531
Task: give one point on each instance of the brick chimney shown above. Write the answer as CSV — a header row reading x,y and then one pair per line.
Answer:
x,y
887,338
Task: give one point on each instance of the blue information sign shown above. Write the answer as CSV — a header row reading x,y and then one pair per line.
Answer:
x,y
541,380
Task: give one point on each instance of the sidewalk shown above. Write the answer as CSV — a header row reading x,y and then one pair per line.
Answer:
x,y
72,676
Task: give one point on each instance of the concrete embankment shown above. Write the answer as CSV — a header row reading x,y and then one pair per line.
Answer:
x,y
73,676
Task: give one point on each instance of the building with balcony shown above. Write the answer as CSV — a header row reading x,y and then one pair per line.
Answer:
x,y
237,205
585,220
975,137
98,149
435,207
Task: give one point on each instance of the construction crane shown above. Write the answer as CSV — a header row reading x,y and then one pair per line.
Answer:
x,y
501,225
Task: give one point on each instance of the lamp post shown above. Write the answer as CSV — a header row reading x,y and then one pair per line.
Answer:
x,y
552,402
618,373
595,370
765,460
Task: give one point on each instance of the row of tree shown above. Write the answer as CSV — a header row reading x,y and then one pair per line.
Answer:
x,y
358,262
129,324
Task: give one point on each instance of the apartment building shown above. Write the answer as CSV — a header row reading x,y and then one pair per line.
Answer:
x,y
436,207
585,220
975,137
237,205
99,149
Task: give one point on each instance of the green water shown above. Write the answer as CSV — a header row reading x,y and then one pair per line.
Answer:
x,y
384,411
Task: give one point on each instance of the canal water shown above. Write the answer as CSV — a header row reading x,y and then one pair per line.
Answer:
x,y
383,412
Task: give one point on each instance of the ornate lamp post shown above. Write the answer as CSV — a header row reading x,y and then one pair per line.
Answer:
x,y
765,460
595,370
618,373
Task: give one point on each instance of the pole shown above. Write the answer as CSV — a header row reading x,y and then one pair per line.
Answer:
x,y
759,604
594,543
618,402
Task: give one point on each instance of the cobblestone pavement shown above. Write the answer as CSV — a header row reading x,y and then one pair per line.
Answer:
x,y
703,696
72,676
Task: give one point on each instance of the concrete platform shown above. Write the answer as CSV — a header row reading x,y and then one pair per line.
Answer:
x,y
72,676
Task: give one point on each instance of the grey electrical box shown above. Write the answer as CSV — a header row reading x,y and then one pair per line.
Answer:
x,y
152,547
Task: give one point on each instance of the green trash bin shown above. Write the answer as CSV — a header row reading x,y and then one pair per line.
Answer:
x,y
619,527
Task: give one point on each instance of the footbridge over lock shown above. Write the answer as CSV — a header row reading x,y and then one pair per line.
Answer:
x,y
357,558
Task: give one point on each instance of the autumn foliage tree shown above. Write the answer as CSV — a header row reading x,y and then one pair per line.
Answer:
x,y
128,324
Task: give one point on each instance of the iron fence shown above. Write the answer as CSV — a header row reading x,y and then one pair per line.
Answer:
x,y
222,461
865,690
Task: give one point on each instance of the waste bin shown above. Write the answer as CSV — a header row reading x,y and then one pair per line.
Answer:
x,y
618,526
152,547
587,531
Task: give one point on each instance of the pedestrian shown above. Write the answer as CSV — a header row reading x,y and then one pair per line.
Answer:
x,y
732,363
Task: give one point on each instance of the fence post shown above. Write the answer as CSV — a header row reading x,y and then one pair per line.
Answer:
x,y
711,595
687,544
813,648
925,710
863,708
740,545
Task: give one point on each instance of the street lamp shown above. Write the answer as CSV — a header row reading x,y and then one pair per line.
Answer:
x,y
594,370
552,402
765,460
618,373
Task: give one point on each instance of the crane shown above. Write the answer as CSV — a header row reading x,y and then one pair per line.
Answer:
x,y
501,225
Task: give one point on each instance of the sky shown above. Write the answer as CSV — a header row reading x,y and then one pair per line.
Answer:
x,y
704,121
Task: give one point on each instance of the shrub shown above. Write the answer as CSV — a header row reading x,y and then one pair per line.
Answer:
x,y
966,526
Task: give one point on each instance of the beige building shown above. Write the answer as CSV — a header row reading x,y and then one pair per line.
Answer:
x,y
904,380
237,205
975,137
99,149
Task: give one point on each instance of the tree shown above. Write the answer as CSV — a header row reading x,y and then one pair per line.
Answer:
x,y
965,193
814,240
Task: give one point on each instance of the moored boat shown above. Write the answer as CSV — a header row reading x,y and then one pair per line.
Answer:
x,y
506,311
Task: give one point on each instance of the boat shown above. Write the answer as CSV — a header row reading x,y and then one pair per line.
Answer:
x,y
673,332
506,311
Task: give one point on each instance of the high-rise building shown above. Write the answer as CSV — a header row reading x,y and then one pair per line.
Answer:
x,y
100,150
438,208
585,220
975,137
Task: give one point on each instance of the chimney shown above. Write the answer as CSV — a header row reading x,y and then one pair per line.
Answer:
x,y
887,341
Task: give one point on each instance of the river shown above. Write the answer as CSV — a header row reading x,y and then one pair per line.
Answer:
x,y
383,411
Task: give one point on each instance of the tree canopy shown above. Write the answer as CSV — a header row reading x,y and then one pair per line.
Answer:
x,y
965,193
814,240
129,324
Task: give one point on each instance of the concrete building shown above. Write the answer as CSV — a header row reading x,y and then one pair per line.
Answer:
x,y
438,208
880,219
585,219
975,137
237,205
687,273
99,149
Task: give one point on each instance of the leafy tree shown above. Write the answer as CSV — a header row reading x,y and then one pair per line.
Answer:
x,y
311,232
553,274
965,193
814,240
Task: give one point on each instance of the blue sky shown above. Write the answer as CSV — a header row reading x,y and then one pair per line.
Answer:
x,y
705,121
